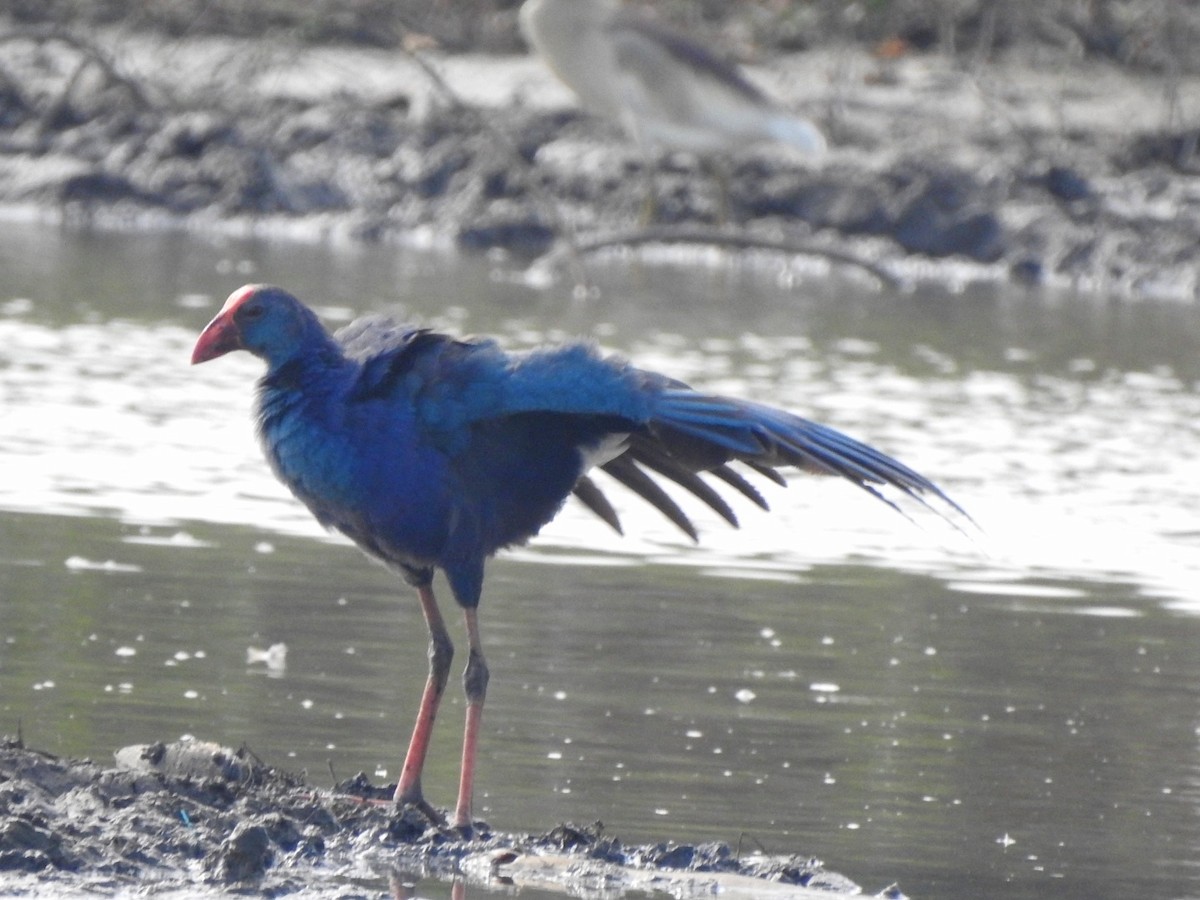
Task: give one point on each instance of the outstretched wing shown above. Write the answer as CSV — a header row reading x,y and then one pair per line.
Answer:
x,y
521,412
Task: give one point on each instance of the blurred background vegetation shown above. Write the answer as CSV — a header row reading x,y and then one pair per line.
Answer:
x,y
1149,35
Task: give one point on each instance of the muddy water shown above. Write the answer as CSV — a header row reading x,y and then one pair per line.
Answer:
x,y
1012,714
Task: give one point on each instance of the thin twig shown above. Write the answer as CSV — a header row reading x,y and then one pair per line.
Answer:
x,y
733,240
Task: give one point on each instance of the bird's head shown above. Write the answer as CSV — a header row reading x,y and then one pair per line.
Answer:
x,y
265,320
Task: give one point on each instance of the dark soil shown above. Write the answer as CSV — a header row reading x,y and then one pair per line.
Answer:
x,y
1043,153
209,820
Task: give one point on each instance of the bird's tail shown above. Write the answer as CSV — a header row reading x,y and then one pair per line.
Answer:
x,y
798,133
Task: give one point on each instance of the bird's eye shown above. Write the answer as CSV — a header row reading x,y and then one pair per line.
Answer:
x,y
252,311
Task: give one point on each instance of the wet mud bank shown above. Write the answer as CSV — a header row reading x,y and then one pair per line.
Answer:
x,y
206,819
1029,167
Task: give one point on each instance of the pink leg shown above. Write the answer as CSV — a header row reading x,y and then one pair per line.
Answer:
x,y
441,651
475,680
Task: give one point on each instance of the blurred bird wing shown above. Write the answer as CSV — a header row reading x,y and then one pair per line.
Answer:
x,y
655,53
678,94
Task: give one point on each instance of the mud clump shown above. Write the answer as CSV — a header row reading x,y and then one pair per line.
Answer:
x,y
198,816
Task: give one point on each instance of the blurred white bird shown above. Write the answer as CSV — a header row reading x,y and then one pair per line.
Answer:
x,y
666,91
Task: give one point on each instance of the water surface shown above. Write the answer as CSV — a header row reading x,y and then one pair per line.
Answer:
x,y
1012,713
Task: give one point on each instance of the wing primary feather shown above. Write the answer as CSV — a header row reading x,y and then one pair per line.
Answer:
x,y
763,438
624,470
767,472
734,479
849,455
652,457
735,438
593,498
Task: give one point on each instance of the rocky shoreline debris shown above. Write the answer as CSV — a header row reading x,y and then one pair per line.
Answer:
x,y
1018,169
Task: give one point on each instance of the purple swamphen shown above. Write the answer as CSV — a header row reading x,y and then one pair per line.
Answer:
x,y
433,452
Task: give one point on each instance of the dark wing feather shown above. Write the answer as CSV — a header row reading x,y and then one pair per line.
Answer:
x,y
766,438
654,456
626,471
736,481
630,30
593,498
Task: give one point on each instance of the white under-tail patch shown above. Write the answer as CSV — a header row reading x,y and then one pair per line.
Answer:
x,y
605,450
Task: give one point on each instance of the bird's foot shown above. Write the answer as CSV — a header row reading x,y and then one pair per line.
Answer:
x,y
432,814
468,831
463,831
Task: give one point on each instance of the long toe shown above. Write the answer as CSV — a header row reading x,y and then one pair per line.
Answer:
x,y
418,803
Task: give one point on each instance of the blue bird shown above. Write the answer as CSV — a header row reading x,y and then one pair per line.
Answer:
x,y
434,452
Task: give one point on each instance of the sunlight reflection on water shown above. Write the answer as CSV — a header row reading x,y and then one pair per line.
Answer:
x,y
1090,474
